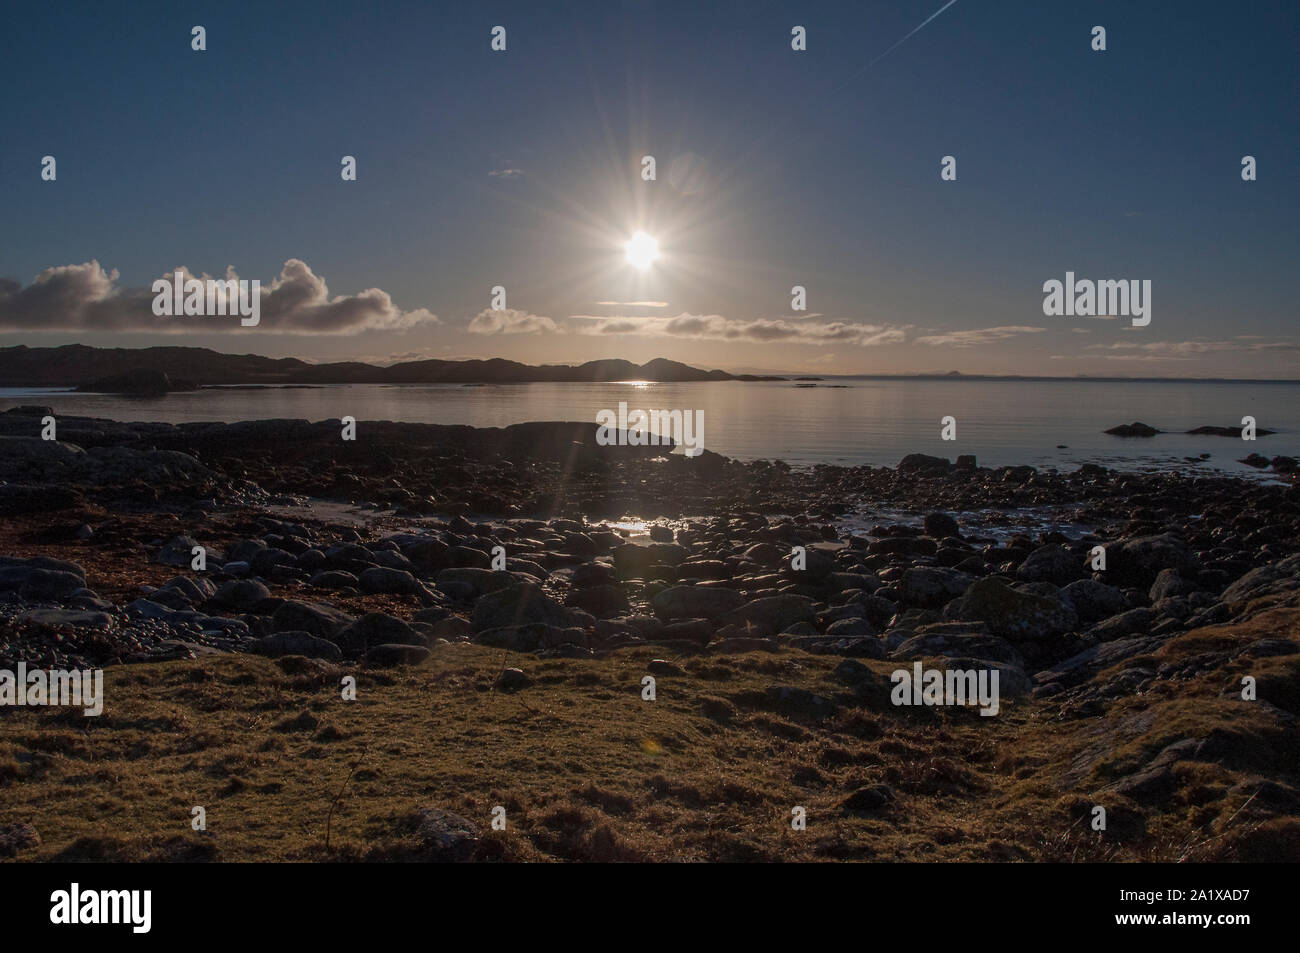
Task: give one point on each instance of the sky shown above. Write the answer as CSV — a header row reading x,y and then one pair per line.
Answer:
x,y
774,168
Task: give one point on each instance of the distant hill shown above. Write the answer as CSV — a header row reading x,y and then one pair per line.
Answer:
x,y
74,365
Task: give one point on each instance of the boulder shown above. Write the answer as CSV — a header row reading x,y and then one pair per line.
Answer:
x,y
334,579
57,618
1169,584
775,613
376,628
1273,579
444,836
690,602
390,656
243,595
957,640
1137,561
850,628
923,462
381,579
520,604
939,525
531,637
178,552
319,620
31,582
600,601
1052,563
932,586
1092,600
634,561
479,581
296,643
1133,622
1016,616
512,680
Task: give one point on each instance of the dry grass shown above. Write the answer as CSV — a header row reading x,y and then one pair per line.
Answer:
x,y
588,771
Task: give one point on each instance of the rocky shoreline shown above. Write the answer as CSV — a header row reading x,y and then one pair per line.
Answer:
x,y
709,569
764,598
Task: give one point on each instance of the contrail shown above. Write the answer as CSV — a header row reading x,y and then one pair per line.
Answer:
x,y
858,72
913,33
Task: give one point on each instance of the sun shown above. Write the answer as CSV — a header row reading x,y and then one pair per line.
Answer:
x,y
641,251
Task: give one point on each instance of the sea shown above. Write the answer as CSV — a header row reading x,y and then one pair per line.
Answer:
x,y
1047,423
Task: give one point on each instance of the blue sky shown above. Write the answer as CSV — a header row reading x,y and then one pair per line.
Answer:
x,y
774,168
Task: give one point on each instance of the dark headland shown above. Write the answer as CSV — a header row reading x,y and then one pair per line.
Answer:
x,y
135,369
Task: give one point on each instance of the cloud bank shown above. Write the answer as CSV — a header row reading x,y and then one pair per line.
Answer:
x,y
510,321
715,327
87,297
976,336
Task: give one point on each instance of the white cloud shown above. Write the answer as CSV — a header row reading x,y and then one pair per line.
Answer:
x,y
975,336
1188,349
510,321
759,330
86,297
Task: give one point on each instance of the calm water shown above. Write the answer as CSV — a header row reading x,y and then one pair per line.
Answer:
x,y
866,421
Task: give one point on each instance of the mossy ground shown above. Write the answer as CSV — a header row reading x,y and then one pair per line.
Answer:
x,y
587,770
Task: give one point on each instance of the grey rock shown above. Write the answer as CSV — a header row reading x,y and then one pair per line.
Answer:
x,y
954,642
389,656
932,586
376,628
178,551
520,604
690,602
40,584
850,628
56,618
531,637
1138,561
819,566
1092,600
453,628
512,680
381,579
1012,680
1013,615
243,595
1096,658
196,590
775,613
320,620
446,836
479,581
1052,563
941,525
1169,583
1280,577
296,643
334,579
634,561
601,600
1125,624
874,797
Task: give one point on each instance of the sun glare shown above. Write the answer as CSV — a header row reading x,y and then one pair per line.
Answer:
x,y
641,251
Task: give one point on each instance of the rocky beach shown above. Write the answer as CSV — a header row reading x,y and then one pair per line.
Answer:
x,y
505,556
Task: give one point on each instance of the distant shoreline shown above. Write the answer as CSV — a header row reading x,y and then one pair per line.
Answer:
x,y
76,365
